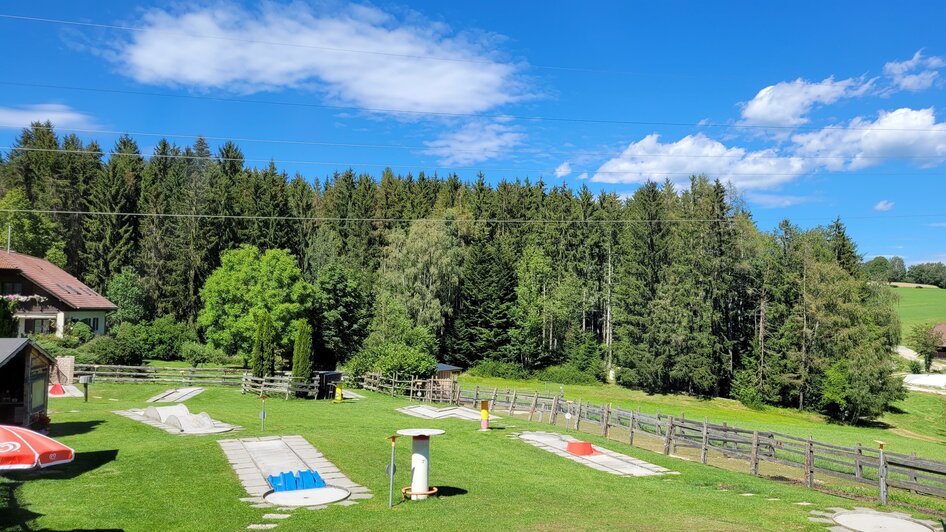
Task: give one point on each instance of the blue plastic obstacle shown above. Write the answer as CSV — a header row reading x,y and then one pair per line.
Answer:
x,y
300,480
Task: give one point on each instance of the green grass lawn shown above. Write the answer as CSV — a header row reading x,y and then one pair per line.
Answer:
x,y
131,476
918,424
917,305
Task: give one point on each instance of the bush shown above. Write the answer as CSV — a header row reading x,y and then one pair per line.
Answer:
x,y
566,374
195,353
81,332
495,368
915,366
160,339
361,363
108,350
403,360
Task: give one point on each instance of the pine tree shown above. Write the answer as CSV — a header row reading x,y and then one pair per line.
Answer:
x,y
302,355
110,236
34,165
264,347
81,165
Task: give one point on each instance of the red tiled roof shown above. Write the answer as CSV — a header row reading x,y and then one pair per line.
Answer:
x,y
54,280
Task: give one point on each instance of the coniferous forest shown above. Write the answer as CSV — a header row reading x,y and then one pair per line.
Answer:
x,y
673,289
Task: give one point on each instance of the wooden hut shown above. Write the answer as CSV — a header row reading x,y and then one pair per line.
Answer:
x,y
24,381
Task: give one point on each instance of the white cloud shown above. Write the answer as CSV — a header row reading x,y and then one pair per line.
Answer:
x,y
778,201
60,115
583,175
244,59
938,224
474,142
883,205
650,159
563,169
788,102
910,133
915,74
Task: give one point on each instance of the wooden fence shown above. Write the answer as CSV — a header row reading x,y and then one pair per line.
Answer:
x,y
858,464
144,374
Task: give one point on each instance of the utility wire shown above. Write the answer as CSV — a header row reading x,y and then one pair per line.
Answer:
x,y
428,147
345,164
500,116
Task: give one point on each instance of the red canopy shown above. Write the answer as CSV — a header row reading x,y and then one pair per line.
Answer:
x,y
22,448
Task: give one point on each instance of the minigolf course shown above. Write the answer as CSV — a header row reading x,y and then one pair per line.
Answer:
x,y
287,471
429,412
175,395
592,456
177,419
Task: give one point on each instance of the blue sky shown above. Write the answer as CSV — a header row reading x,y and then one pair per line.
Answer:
x,y
812,110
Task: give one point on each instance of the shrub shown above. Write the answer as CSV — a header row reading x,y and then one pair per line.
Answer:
x,y
566,374
403,360
915,366
108,350
195,353
361,363
81,332
160,339
495,368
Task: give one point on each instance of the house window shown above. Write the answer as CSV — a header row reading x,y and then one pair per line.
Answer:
x,y
12,288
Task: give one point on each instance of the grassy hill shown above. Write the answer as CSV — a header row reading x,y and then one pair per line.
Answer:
x,y
917,305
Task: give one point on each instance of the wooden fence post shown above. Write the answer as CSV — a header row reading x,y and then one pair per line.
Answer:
x,y
668,438
657,424
578,415
535,401
858,466
512,404
882,475
492,401
476,395
630,438
553,412
754,464
704,448
810,464
606,420
913,473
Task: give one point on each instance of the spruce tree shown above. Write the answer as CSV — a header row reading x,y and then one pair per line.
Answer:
x,y
302,355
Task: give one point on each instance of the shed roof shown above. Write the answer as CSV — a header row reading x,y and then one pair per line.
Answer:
x,y
11,347
56,281
448,367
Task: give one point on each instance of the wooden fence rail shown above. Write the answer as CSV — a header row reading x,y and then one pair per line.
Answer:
x,y
815,459
142,374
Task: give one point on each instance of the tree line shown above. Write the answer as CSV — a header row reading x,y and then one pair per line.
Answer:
x,y
893,270
673,289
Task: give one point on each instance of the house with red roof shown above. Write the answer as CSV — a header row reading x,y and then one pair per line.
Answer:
x,y
50,297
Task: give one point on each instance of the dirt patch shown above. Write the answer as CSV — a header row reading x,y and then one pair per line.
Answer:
x,y
910,434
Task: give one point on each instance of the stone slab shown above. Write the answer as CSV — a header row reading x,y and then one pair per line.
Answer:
x,y
429,412
604,460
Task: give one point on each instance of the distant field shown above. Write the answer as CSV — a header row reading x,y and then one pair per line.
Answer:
x,y
917,305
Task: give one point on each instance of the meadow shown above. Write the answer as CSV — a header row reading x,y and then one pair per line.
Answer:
x,y
134,477
919,305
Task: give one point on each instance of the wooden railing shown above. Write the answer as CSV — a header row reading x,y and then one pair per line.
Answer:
x,y
183,376
815,459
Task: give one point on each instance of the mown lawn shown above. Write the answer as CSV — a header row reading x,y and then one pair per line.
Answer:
x,y
134,477
919,423
918,305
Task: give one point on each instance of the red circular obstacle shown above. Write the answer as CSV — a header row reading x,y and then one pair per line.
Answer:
x,y
580,448
56,389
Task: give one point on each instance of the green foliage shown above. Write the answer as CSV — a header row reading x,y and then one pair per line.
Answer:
x,y
566,374
160,339
302,355
264,347
30,233
343,313
397,358
915,366
249,283
495,368
108,350
9,326
195,354
80,331
925,340
125,290
933,273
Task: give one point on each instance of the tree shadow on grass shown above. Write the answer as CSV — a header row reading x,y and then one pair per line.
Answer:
x,y
13,515
70,428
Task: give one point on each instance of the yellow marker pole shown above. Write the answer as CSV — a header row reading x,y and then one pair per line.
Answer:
x,y
338,393
484,416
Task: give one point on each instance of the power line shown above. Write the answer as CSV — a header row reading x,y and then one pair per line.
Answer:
x,y
439,220
428,147
338,164
499,116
